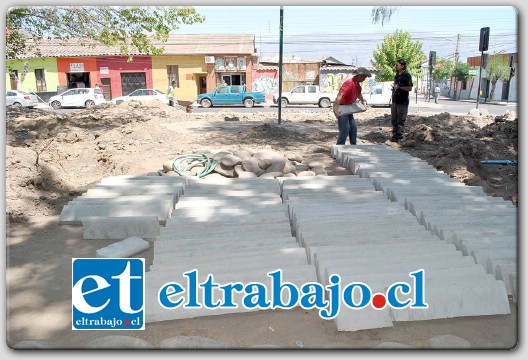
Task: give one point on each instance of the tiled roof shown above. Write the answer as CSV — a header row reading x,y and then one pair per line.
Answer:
x,y
176,45
210,44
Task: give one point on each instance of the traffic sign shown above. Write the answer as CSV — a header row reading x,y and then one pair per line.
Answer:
x,y
473,72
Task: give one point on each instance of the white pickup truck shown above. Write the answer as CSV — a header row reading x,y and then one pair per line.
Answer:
x,y
305,94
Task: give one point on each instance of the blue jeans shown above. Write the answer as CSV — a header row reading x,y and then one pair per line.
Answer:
x,y
347,127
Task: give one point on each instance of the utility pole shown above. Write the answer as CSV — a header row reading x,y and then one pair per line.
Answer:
x,y
280,62
456,62
483,46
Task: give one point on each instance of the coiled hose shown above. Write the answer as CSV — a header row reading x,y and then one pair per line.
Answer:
x,y
208,163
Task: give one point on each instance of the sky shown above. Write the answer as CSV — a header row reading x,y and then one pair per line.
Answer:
x,y
348,34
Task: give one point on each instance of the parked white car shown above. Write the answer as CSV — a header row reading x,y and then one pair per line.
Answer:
x,y
21,98
305,94
142,95
79,97
380,95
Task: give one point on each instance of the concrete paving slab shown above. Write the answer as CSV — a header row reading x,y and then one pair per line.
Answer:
x,y
354,250
124,248
502,272
240,244
106,227
324,263
73,214
286,255
500,260
467,248
225,251
241,264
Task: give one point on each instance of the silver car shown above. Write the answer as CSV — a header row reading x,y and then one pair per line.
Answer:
x,y
21,98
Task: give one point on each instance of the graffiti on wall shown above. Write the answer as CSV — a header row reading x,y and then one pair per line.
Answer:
x,y
266,83
331,82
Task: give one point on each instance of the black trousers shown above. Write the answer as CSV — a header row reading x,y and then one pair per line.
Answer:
x,y
398,116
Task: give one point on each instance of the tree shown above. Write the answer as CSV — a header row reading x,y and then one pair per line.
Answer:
x,y
133,29
382,14
460,73
498,69
397,46
443,70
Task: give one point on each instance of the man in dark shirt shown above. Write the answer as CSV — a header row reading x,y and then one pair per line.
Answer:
x,y
400,100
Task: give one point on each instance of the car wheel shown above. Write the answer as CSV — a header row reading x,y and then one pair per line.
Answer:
x,y
17,104
89,103
284,102
56,104
119,102
206,103
249,103
324,103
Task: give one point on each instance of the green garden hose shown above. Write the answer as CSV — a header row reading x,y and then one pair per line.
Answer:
x,y
208,163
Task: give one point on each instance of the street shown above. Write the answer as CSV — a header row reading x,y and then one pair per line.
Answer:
x,y
444,105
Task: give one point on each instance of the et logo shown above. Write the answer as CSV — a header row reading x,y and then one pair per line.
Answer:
x,y
108,294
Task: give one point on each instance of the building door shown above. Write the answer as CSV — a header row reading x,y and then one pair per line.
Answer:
x,y
107,89
41,80
133,81
202,82
78,80
505,90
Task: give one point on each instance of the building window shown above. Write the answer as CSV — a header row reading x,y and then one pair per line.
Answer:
x,y
41,80
172,75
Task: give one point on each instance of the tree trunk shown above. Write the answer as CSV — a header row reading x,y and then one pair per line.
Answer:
x,y
492,92
471,88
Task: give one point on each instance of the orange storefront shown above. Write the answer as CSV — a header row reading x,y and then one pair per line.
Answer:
x,y
77,72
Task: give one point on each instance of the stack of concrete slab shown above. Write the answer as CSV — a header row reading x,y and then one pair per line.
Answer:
x,y
350,229
237,230
459,214
123,206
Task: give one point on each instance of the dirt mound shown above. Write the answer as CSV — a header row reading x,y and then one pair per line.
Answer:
x,y
52,158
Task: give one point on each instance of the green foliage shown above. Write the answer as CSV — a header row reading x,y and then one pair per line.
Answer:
x,y
443,70
461,72
396,46
498,69
382,14
134,29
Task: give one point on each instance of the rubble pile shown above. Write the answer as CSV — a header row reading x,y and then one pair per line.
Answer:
x,y
243,162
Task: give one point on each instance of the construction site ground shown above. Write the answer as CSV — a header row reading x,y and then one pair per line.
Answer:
x,y
53,158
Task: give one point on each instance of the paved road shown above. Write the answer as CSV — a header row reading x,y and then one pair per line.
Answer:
x,y
444,105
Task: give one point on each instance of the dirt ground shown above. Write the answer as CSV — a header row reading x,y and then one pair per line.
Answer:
x,y
52,158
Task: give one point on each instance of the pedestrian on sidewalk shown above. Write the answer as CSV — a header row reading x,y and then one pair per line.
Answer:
x,y
436,93
349,92
171,90
427,92
400,99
